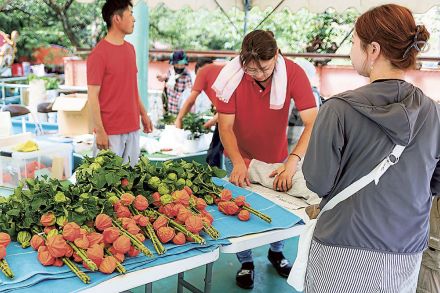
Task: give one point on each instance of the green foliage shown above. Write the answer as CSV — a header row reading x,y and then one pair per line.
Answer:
x,y
39,25
294,31
194,123
51,83
202,29
34,197
153,177
99,180
167,119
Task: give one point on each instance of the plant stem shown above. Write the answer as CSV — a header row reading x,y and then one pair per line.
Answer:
x,y
181,228
257,213
136,243
149,232
207,228
119,267
211,231
260,215
4,266
81,253
80,274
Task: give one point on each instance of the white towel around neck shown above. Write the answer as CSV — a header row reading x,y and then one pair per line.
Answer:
x,y
230,77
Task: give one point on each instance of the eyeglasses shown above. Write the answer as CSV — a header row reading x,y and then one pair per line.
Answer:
x,y
256,71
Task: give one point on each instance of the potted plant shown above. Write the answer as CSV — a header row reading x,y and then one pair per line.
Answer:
x,y
50,83
167,119
194,124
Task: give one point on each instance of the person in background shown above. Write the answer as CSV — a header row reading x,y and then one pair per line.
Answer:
x,y
112,86
202,103
296,126
207,73
177,80
373,241
254,92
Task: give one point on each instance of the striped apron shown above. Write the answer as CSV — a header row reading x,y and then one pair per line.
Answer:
x,y
333,269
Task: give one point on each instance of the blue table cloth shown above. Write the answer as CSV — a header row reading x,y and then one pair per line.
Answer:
x,y
31,276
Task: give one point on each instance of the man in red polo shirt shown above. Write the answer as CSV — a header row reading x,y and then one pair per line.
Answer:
x,y
112,86
205,77
253,121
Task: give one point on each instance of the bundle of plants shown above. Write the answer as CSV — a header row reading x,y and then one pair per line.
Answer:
x,y
5,240
194,123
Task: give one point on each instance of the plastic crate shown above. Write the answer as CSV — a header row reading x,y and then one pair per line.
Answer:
x,y
52,159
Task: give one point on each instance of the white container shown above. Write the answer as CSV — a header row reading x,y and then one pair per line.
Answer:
x,y
5,124
191,146
52,159
51,95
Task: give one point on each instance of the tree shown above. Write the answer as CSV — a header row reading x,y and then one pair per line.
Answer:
x,y
298,31
77,19
63,22
61,13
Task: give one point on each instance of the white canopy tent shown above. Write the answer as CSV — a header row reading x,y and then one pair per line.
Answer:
x,y
293,5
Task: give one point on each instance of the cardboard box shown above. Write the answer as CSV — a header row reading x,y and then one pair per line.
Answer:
x,y
73,115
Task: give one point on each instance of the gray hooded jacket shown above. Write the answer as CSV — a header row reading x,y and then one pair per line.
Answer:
x,y
353,132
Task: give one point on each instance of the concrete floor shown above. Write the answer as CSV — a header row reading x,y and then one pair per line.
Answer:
x,y
266,278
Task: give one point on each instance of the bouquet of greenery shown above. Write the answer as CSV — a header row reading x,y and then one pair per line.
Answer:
x,y
194,123
51,83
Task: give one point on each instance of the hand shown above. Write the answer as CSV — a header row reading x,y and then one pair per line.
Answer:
x,y
239,175
210,123
102,140
283,175
178,123
161,77
146,123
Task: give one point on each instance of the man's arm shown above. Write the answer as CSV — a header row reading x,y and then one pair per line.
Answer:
x,y
239,175
211,122
284,175
308,117
101,135
189,103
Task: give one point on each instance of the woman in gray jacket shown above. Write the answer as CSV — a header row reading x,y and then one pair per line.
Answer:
x,y
373,241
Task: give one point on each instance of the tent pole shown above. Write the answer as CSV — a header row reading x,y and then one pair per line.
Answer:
x,y
267,16
139,39
247,7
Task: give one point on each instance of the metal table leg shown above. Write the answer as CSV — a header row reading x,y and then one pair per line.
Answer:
x,y
181,283
149,288
208,277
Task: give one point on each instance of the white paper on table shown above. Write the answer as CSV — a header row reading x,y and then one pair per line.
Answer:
x,y
150,145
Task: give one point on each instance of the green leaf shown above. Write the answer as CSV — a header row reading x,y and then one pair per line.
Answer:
x,y
100,182
13,212
220,173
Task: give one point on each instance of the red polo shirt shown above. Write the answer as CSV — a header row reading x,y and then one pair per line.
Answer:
x,y
205,78
260,131
113,68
